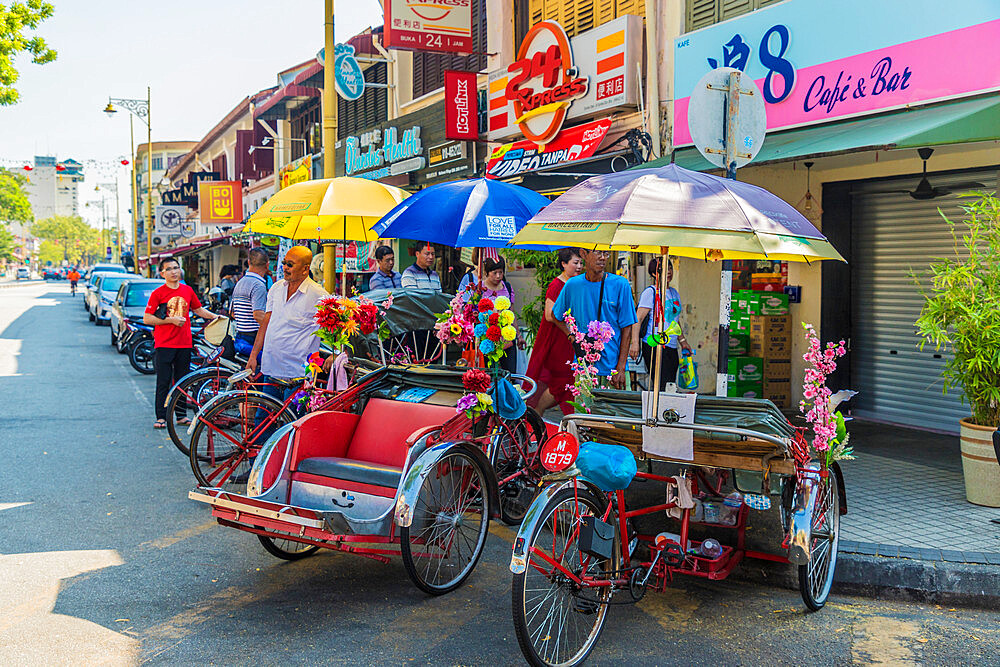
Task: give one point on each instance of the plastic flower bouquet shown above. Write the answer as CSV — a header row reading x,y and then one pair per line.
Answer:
x,y
830,435
456,324
340,318
494,328
589,346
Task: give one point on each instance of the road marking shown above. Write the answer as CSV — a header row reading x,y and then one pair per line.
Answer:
x,y
170,540
140,396
10,506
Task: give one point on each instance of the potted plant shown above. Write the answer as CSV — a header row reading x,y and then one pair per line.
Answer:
x,y
961,313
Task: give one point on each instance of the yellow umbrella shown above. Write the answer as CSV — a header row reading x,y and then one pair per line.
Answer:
x,y
329,209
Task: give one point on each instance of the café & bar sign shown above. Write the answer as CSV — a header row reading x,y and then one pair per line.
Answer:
x,y
815,65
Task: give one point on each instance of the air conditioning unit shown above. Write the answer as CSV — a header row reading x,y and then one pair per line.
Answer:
x,y
159,241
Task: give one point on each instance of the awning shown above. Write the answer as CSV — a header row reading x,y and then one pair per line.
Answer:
x,y
940,124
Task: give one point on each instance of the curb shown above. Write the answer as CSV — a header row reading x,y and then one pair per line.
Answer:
x,y
21,283
972,584
975,584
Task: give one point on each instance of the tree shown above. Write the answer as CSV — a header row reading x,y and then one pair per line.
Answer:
x,y
16,19
14,204
7,244
69,234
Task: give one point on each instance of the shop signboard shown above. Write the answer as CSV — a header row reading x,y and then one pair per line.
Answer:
x,y
220,202
168,219
461,109
576,143
814,65
555,79
347,74
429,25
410,150
295,171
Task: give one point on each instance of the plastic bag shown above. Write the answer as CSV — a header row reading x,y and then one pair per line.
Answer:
x,y
610,467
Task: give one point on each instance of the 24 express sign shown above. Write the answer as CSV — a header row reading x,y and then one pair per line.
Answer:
x,y
556,79
814,64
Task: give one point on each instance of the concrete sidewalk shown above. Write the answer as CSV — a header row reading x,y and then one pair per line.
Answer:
x,y
909,526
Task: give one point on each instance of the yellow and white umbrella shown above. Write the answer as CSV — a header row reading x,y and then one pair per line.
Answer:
x,y
329,209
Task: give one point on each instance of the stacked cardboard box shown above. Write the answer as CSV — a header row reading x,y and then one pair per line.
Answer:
x,y
770,339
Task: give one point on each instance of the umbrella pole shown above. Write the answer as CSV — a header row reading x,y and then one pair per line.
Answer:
x,y
343,270
656,371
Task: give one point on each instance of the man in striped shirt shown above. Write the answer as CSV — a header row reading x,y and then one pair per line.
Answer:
x,y
421,274
249,300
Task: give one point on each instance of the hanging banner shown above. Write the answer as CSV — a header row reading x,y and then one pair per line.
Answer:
x,y
295,171
359,258
429,25
220,202
461,109
576,143
556,79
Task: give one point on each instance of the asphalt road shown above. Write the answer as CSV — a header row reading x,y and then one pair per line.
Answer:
x,y
104,560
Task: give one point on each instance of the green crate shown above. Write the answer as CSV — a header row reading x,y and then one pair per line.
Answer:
x,y
739,343
746,369
745,389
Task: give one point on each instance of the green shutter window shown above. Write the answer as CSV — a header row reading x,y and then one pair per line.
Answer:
x,y
701,13
731,8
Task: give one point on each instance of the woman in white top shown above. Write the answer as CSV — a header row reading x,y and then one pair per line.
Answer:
x,y
669,359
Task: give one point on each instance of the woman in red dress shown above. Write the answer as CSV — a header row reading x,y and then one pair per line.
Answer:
x,y
552,353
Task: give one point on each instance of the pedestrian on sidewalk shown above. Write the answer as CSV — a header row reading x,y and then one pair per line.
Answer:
x,y
421,274
552,352
249,301
598,296
385,277
671,303
286,338
168,312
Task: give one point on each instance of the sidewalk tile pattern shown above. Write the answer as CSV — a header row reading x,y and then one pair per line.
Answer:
x,y
915,504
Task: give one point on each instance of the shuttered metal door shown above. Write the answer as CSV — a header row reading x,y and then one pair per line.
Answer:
x,y
893,233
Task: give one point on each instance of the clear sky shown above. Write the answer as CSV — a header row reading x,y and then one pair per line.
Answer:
x,y
200,57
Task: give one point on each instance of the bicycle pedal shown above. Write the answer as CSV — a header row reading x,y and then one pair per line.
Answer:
x,y
673,555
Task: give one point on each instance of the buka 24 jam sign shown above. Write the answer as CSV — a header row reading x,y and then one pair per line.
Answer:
x,y
544,82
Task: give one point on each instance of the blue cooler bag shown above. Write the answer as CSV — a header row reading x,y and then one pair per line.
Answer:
x,y
611,467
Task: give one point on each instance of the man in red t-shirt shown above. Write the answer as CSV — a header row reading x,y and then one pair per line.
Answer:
x,y
168,312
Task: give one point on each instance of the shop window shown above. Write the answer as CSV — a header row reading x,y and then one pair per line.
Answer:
x,y
429,66
303,118
367,111
702,13
576,16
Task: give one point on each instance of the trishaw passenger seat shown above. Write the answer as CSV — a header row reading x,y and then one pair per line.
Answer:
x,y
377,446
385,425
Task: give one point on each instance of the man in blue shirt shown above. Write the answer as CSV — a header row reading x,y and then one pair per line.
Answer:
x,y
421,274
597,295
384,277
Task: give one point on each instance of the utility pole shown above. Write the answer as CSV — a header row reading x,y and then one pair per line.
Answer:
x,y
149,187
329,136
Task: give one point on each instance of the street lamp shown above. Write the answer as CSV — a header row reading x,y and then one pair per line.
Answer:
x,y
138,109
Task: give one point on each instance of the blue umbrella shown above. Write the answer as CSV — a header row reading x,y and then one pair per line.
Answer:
x,y
474,213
